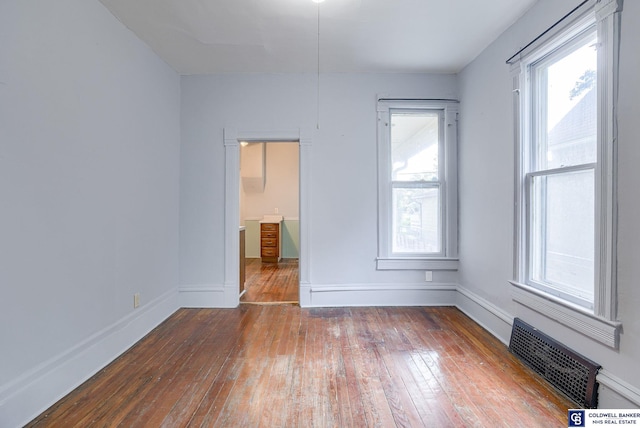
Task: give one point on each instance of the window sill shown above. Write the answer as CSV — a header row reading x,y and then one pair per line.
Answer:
x,y
441,263
574,317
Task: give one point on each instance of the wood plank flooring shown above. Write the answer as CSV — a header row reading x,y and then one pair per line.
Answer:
x,y
284,366
271,282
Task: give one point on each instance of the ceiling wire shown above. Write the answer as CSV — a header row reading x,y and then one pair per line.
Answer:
x,y
318,71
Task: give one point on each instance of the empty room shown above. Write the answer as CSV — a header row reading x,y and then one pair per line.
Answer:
x,y
448,191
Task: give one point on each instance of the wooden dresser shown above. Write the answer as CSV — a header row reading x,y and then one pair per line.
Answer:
x,y
270,242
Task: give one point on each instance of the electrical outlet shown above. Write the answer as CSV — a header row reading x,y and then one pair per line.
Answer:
x,y
276,211
136,300
428,276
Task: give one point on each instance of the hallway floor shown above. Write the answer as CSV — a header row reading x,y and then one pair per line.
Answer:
x,y
270,283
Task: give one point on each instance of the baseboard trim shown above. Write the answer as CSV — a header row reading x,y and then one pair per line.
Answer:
x,y
203,296
26,397
342,295
493,319
619,387
305,294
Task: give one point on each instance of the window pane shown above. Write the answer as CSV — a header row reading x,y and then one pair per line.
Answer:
x,y
414,146
568,110
416,220
562,231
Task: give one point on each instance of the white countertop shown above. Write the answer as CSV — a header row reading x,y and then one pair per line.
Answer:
x,y
271,219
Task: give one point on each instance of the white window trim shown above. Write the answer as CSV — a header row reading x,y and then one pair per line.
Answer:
x,y
602,324
448,259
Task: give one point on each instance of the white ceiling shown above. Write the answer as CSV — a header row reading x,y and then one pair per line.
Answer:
x,y
212,36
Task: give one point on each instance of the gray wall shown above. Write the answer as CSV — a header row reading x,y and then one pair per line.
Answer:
x,y
89,169
487,191
343,189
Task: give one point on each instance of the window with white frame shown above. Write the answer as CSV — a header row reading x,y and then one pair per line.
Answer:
x,y
560,178
565,90
417,186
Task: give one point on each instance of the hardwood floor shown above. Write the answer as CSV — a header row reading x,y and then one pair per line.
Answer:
x,y
284,366
271,282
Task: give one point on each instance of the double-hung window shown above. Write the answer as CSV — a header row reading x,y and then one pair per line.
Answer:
x,y
560,178
417,184
564,87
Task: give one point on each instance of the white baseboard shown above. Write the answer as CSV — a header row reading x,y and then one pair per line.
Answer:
x,y
304,296
342,295
26,397
615,393
204,296
493,319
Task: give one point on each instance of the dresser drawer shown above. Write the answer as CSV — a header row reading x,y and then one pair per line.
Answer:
x,y
269,242
268,226
269,252
269,234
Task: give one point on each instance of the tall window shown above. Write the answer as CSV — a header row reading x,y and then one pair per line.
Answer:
x,y
560,183
416,147
416,139
565,94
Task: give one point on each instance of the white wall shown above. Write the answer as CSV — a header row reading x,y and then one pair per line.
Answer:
x,y
487,197
281,185
89,170
343,188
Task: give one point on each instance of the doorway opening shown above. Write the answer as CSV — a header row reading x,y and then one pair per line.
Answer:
x,y
232,141
269,218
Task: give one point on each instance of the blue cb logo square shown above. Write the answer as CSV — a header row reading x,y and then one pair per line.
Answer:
x,y
576,418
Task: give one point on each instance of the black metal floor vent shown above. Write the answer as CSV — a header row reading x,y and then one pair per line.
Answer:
x,y
571,373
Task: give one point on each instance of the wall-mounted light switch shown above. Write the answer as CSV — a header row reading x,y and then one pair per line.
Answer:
x,y
428,276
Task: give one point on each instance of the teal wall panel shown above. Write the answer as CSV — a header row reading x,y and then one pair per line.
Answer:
x,y
290,239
